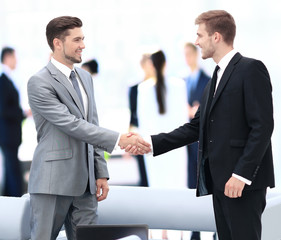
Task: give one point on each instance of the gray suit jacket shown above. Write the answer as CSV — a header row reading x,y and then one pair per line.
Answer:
x,y
70,147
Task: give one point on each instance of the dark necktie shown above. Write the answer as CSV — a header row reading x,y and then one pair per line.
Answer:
x,y
212,88
76,86
214,81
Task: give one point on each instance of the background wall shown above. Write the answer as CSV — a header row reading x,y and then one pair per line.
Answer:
x,y
118,31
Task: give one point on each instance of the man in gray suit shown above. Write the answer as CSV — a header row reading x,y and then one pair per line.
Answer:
x,y
68,174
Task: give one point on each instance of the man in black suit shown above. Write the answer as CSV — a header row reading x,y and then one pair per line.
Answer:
x,y
233,124
11,116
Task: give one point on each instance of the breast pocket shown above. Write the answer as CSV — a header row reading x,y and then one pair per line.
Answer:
x,y
58,155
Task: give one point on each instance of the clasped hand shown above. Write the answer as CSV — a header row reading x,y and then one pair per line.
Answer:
x,y
134,144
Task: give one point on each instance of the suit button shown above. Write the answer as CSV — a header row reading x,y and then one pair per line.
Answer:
x,y
211,141
212,120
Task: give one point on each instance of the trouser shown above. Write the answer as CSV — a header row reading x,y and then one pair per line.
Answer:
x,y
50,212
239,218
13,179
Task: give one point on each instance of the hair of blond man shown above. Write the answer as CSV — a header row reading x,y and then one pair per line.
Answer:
x,y
218,21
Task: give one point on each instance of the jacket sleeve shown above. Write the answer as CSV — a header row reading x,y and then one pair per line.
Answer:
x,y
259,117
43,100
181,136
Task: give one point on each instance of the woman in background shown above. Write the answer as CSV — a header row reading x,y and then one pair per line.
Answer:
x,y
148,71
161,107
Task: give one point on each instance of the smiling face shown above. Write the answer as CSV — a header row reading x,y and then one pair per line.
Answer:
x,y
205,42
69,50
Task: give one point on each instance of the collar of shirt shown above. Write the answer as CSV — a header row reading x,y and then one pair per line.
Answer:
x,y
7,71
223,64
64,69
194,76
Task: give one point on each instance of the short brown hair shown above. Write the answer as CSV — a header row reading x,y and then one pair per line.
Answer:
x,y
5,52
58,28
218,21
191,45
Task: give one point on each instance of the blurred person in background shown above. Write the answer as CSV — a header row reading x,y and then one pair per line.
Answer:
x,y
148,69
11,117
196,82
161,106
91,66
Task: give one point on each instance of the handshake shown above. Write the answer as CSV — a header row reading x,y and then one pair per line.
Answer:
x,y
134,144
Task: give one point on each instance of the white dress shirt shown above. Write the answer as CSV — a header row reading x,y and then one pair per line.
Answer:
x,y
66,71
223,64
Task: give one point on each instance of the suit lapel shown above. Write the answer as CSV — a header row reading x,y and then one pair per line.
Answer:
x,y
225,77
87,90
60,77
204,107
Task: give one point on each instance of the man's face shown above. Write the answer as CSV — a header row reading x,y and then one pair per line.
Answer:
x,y
205,42
13,61
73,45
190,56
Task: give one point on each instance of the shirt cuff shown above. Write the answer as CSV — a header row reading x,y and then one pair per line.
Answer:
x,y
116,147
149,140
248,182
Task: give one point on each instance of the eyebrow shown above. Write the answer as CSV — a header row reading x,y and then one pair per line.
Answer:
x,y
76,38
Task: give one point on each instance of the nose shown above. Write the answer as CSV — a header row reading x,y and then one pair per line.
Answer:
x,y
82,46
196,42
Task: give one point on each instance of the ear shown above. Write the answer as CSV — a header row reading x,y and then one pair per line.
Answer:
x,y
217,37
57,44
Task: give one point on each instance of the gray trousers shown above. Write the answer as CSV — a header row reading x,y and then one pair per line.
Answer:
x,y
50,212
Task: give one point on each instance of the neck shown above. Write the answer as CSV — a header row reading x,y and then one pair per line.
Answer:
x,y
221,53
6,68
63,61
193,67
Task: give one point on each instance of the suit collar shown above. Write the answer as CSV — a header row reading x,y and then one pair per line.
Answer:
x,y
223,63
60,66
225,77
7,71
60,77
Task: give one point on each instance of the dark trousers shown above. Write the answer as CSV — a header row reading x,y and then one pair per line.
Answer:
x,y
192,150
192,165
142,171
13,180
239,218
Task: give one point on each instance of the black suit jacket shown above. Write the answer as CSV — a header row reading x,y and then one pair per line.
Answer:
x,y
240,125
11,114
